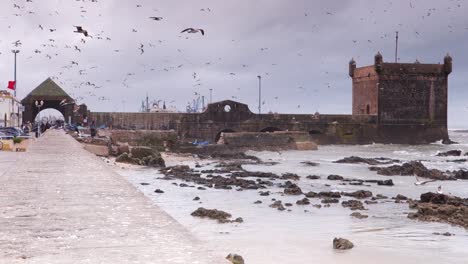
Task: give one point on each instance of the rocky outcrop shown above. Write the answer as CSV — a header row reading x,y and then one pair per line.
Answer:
x,y
412,168
221,216
235,259
342,244
369,161
453,153
335,177
353,205
435,207
310,163
278,205
303,201
313,177
292,189
361,194
359,215
143,156
461,174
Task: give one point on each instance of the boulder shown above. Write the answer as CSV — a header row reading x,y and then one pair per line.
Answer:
x,y
359,215
342,244
293,189
454,153
311,195
335,178
412,168
220,216
329,194
158,191
126,158
353,205
303,201
278,205
313,177
141,152
369,161
330,200
235,259
361,194
385,183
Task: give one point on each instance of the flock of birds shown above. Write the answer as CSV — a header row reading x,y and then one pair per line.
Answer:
x,y
77,72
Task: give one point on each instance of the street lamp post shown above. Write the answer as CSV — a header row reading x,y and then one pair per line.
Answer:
x,y
259,94
211,95
15,52
39,105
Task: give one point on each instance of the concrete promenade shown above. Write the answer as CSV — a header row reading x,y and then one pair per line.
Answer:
x,y
61,204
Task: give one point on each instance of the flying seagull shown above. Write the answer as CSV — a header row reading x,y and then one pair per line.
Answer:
x,y
422,182
79,29
194,30
156,18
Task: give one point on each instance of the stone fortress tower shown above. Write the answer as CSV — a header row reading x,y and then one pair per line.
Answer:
x,y
403,94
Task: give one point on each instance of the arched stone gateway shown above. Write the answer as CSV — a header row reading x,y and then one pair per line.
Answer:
x,y
218,136
270,129
54,97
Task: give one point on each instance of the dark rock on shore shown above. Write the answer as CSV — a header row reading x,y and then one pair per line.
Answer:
x,y
443,234
292,189
329,195
449,153
335,178
258,202
359,215
313,177
412,168
385,183
235,259
158,191
461,174
400,197
330,200
290,176
435,207
369,161
353,205
265,193
221,216
361,194
311,195
342,244
303,201
310,163
278,205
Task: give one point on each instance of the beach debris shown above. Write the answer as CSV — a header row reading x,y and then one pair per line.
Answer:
x,y
292,189
342,244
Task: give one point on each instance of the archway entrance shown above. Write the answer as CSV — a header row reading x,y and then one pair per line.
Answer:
x,y
218,136
270,129
53,97
50,116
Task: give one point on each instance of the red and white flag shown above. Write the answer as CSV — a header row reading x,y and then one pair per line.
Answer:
x,y
12,85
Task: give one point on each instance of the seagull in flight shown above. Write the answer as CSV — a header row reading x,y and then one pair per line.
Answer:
x,y
422,182
79,29
194,30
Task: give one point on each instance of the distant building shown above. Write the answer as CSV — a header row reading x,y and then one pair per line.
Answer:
x,y
10,110
402,93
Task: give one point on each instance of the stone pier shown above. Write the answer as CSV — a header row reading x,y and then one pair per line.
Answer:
x,y
61,204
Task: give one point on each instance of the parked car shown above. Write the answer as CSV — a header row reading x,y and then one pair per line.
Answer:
x,y
13,131
5,136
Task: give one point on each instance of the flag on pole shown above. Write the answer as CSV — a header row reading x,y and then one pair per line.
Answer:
x,y
12,85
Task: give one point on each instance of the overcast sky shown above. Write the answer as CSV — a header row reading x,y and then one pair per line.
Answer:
x,y
301,48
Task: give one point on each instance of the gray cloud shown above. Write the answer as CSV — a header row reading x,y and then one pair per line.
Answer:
x,y
307,45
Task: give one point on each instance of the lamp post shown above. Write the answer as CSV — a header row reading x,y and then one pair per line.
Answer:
x,y
39,105
259,94
15,52
211,95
